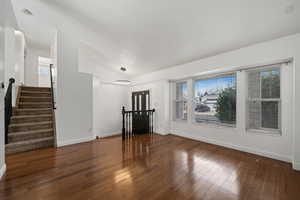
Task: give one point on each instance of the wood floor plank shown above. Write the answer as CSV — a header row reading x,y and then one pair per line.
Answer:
x,y
147,167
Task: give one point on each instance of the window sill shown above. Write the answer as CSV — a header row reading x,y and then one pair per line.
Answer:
x,y
213,125
274,133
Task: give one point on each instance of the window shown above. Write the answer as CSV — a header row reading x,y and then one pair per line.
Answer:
x,y
264,99
181,101
44,70
215,100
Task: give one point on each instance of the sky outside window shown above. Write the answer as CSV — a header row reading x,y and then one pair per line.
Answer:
x,y
213,85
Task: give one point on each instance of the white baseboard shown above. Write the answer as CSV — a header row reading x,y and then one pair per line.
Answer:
x,y
74,141
240,148
2,170
110,134
115,134
162,134
296,166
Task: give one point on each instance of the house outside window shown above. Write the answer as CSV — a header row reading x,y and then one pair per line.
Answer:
x,y
215,100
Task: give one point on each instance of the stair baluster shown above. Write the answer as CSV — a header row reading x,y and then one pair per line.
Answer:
x,y
136,122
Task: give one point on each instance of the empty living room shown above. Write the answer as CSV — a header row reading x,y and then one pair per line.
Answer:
x,y
150,100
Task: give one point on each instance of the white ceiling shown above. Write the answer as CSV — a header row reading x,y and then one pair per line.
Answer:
x,y
151,35
37,33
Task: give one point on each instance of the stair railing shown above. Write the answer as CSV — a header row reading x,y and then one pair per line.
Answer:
x,y
136,122
8,106
52,88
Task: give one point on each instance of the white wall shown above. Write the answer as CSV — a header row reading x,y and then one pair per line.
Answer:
x,y
10,60
10,56
7,26
17,71
53,56
44,76
32,64
295,48
74,110
2,91
275,147
44,72
19,58
14,56
108,100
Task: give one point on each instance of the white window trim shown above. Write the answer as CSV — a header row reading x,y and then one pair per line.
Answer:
x,y
176,100
244,124
206,77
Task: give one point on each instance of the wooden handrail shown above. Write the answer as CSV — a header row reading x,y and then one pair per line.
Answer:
x,y
138,111
8,107
52,90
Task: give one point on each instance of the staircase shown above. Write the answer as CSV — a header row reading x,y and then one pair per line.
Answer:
x,y
31,125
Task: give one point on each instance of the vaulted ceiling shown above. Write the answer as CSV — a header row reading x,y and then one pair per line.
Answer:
x,y
151,35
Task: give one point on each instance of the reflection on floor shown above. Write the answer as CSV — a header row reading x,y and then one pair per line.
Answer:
x,y
147,167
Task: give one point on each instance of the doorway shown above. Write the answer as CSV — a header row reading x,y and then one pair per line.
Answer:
x,y
140,120
44,72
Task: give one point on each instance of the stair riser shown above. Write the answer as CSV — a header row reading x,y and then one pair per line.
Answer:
x,y
27,132
30,119
30,127
43,99
35,106
36,89
29,147
30,136
35,112
31,94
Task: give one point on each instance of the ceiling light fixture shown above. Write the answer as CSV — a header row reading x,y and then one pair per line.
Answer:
x,y
122,82
27,12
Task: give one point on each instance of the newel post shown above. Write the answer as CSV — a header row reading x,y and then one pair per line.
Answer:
x,y
123,124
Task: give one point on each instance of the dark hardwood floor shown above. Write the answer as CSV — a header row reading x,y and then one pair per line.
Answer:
x,y
148,167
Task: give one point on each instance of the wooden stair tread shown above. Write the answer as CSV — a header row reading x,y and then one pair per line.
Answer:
x,y
37,103
29,124
32,141
33,87
37,97
32,91
29,132
30,116
32,109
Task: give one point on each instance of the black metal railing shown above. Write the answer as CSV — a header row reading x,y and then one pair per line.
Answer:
x,y
8,106
52,90
137,122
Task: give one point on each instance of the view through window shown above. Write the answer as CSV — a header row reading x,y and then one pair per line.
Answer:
x,y
264,99
215,100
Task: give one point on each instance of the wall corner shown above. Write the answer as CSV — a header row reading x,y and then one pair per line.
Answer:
x,y
2,170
